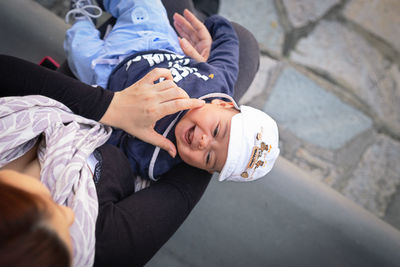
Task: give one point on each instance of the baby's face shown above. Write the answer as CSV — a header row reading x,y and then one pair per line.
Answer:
x,y
202,135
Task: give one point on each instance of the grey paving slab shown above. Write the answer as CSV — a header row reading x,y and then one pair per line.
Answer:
x,y
302,12
263,77
260,17
348,58
312,113
377,176
379,17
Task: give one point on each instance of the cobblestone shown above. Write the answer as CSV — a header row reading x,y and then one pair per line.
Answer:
x,y
302,12
342,54
312,113
376,178
263,78
261,18
379,17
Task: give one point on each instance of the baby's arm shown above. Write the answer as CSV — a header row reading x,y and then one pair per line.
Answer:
x,y
224,53
214,42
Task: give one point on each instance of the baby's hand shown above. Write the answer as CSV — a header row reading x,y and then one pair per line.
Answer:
x,y
196,40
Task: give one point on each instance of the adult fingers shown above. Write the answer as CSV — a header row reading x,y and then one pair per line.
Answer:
x,y
157,139
164,85
155,75
172,94
173,106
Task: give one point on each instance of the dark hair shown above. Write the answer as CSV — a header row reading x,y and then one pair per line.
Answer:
x,y
26,239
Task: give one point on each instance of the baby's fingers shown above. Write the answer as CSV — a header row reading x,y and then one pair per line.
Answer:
x,y
195,22
185,29
190,51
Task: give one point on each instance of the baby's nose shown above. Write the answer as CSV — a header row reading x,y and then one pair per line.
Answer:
x,y
204,141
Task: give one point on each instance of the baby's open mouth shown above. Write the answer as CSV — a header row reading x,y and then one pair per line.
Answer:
x,y
189,135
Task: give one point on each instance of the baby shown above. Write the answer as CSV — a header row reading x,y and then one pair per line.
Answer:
x,y
241,143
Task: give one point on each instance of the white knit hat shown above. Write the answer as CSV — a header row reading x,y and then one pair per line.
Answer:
x,y
253,146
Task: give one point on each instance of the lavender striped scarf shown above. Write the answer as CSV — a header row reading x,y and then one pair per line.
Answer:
x,y
68,141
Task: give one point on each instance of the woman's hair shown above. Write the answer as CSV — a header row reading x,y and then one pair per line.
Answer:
x,y
26,239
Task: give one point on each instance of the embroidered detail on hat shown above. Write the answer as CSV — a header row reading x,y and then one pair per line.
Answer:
x,y
253,157
260,163
257,156
211,76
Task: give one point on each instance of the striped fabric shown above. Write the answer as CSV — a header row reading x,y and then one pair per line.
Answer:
x,y
68,141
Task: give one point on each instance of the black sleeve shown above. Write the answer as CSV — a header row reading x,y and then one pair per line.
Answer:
x,y
131,227
19,77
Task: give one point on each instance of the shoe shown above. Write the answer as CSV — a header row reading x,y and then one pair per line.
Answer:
x,y
83,9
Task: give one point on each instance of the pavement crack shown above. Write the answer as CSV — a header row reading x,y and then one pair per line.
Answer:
x,y
294,35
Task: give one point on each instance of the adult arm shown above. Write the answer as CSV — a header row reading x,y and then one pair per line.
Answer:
x,y
135,109
19,78
132,227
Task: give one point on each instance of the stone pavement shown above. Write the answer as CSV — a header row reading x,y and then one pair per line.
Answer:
x,y
329,75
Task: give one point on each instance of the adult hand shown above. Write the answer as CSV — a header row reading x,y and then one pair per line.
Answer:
x,y
196,40
137,108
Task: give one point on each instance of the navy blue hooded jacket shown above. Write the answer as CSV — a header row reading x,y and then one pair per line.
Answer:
x,y
217,75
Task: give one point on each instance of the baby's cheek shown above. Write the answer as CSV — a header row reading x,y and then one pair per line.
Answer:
x,y
182,152
185,155
190,157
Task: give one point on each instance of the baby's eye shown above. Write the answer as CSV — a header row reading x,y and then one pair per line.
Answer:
x,y
216,131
